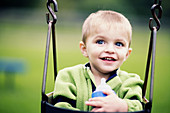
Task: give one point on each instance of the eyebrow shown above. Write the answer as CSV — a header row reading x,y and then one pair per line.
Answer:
x,y
100,36
120,40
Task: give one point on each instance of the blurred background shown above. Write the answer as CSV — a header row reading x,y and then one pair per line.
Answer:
x,y
23,31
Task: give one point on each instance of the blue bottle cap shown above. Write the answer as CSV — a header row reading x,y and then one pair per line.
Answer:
x,y
98,94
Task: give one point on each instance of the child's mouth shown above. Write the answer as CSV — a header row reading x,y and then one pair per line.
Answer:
x,y
108,59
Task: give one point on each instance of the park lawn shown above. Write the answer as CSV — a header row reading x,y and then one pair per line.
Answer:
x,y
26,43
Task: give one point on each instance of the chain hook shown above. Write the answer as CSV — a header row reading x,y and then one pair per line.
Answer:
x,y
51,11
155,16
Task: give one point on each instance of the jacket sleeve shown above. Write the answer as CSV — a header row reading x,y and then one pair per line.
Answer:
x,y
65,91
131,91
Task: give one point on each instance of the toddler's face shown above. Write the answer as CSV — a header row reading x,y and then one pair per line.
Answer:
x,y
107,48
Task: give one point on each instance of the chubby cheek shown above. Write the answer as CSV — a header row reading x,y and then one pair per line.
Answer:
x,y
93,54
90,52
122,55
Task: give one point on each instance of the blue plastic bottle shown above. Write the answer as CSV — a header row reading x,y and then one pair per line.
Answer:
x,y
99,90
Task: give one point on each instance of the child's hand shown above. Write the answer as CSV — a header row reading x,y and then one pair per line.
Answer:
x,y
110,103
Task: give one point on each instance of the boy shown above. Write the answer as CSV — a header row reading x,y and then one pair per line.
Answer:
x,y
106,43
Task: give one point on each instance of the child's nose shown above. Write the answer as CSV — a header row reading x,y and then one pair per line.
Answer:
x,y
110,48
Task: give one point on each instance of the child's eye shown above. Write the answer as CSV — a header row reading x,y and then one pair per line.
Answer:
x,y
120,44
100,42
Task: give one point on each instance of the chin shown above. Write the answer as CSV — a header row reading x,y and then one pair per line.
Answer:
x,y
109,70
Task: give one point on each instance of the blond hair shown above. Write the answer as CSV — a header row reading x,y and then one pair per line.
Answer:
x,y
107,18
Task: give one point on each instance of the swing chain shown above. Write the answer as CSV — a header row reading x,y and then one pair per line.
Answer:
x,y
51,28
156,16
51,11
151,52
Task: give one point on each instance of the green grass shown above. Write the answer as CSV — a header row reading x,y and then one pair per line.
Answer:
x,y
26,42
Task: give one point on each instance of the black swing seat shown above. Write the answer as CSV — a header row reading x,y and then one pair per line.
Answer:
x,y
48,107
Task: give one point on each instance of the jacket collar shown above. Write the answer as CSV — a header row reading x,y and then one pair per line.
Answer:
x,y
114,81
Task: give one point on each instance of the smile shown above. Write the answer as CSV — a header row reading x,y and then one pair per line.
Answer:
x,y
108,59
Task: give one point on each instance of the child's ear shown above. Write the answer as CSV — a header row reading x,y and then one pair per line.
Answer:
x,y
128,53
83,48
